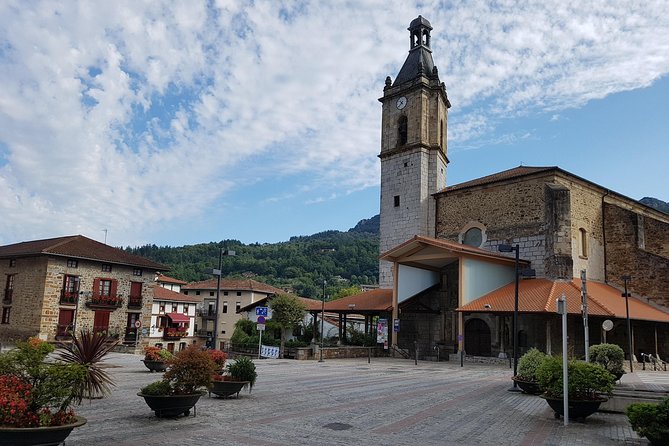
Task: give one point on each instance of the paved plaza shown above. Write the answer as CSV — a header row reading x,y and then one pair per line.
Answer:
x,y
347,402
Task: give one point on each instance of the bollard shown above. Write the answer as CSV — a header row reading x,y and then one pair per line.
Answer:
x,y
369,355
415,346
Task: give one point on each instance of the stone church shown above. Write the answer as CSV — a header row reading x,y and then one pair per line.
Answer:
x,y
441,246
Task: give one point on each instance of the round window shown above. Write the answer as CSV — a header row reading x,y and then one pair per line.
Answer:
x,y
473,237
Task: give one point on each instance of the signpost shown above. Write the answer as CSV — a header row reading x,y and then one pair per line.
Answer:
x,y
138,325
561,303
261,314
584,310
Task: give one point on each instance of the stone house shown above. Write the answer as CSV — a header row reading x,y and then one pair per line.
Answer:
x,y
234,294
58,286
441,245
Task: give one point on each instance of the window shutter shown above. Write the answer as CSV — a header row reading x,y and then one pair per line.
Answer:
x,y
114,284
96,286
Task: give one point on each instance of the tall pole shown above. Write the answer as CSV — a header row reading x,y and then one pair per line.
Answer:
x,y
562,309
322,320
515,321
629,325
584,309
218,295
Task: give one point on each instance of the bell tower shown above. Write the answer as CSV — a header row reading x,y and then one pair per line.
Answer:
x,y
413,146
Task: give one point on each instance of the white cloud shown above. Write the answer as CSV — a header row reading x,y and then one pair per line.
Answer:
x,y
116,114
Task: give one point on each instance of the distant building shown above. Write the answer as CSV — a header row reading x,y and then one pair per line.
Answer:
x,y
58,286
170,283
234,294
173,319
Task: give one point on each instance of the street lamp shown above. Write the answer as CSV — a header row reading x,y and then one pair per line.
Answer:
x,y
509,248
322,320
626,295
217,273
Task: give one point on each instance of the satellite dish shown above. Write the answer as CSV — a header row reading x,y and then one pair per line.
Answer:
x,y
607,325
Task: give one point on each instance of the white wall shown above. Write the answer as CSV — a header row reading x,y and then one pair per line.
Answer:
x,y
479,278
412,281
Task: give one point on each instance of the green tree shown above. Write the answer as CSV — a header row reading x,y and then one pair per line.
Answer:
x,y
287,312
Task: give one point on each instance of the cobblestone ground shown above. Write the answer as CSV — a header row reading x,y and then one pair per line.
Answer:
x,y
347,402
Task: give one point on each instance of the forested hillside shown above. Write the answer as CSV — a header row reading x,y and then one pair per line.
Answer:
x,y
342,258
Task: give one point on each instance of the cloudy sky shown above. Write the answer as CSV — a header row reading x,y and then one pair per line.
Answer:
x,y
194,121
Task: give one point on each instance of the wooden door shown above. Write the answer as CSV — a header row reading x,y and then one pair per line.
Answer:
x,y
101,321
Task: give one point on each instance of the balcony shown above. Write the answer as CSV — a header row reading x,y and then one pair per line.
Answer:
x,y
135,302
69,297
7,298
204,333
172,334
105,302
205,313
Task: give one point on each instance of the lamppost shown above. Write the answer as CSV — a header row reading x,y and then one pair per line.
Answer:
x,y
509,248
217,273
626,295
322,320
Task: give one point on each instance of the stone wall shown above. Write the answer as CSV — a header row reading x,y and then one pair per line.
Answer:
x,y
27,297
648,266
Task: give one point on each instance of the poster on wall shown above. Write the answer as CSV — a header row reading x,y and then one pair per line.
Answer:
x,y
382,332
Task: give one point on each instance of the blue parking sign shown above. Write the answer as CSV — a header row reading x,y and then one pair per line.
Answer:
x,y
261,311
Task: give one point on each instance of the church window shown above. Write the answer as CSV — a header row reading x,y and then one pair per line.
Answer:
x,y
397,201
402,131
473,235
584,242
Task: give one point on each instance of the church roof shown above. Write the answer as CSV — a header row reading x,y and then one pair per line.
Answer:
x,y
539,295
510,174
419,62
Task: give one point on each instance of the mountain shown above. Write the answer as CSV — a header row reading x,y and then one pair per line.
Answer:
x,y
660,205
341,258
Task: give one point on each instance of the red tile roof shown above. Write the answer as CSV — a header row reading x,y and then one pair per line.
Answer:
x,y
374,301
78,247
310,304
539,295
167,279
233,284
160,293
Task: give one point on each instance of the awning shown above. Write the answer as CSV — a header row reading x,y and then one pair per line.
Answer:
x,y
178,317
538,296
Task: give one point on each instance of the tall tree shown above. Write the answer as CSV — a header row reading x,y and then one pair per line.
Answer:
x,y
287,312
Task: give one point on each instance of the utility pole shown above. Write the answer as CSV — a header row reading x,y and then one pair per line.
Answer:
x,y
584,310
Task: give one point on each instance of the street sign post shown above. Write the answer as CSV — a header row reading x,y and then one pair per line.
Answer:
x,y
261,311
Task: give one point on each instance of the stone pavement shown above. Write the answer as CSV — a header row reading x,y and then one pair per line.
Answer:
x,y
347,402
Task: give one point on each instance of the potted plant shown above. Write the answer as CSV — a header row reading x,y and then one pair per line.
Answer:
x,y
189,373
36,396
587,385
238,374
609,356
651,421
219,357
155,358
527,368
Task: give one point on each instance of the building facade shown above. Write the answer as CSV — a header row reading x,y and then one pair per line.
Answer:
x,y
58,286
172,319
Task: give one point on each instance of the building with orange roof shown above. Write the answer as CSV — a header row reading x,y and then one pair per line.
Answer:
x,y
451,285
173,319
54,287
170,283
234,294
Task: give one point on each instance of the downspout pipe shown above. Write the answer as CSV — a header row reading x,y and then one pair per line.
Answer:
x,y
606,274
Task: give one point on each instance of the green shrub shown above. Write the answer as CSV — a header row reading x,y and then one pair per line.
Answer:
x,y
292,343
528,364
190,370
157,388
243,369
650,420
609,356
586,381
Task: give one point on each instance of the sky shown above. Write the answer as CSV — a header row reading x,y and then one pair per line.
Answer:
x,y
175,123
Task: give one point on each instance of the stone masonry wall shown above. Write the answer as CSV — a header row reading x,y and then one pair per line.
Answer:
x,y
24,319
649,270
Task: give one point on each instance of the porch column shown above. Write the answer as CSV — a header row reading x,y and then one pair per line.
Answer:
x,y
314,317
391,323
344,330
461,332
367,325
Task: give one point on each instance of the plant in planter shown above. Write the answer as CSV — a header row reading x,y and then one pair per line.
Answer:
x,y
588,383
609,356
651,421
219,357
155,358
36,396
189,373
527,368
89,350
239,374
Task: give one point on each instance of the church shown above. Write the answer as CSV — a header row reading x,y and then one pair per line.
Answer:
x,y
461,260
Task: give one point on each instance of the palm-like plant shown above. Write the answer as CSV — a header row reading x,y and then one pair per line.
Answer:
x,y
89,349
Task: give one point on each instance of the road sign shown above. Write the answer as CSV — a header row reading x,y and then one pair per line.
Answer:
x,y
260,327
145,331
261,319
138,323
261,311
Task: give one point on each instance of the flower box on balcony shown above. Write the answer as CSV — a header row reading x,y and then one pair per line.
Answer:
x,y
105,302
171,333
68,298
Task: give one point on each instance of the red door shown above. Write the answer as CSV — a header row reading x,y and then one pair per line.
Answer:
x,y
101,321
65,323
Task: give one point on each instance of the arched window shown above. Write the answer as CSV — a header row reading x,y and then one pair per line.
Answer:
x,y
402,131
584,242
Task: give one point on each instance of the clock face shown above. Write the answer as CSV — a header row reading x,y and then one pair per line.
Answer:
x,y
401,103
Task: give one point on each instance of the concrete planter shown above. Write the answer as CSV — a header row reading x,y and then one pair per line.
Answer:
x,y
171,405
34,436
227,388
577,409
155,366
